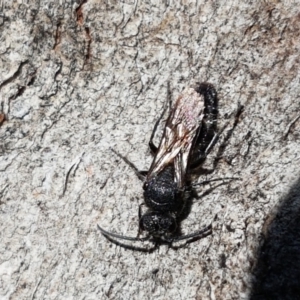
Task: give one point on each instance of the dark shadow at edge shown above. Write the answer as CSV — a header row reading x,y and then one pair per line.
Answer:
x,y
277,270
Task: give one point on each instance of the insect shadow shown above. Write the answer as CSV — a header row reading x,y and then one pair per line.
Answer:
x,y
188,137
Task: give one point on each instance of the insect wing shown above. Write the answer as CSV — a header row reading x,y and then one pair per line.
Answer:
x,y
182,127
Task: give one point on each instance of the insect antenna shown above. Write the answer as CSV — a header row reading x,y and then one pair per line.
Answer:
x,y
122,237
198,234
133,247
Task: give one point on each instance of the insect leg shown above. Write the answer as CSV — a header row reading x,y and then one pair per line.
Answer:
x,y
140,174
152,147
214,179
228,134
198,234
200,155
140,216
211,144
140,210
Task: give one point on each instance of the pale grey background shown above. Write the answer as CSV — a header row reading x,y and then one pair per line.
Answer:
x,y
78,78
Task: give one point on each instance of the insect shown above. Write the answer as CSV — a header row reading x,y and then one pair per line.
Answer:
x,y
187,138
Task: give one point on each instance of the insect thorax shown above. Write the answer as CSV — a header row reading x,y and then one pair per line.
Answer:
x,y
161,192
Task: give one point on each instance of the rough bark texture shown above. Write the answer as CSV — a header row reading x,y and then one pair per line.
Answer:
x,y
79,78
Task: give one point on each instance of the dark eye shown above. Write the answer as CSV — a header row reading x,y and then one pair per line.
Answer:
x,y
148,223
145,186
168,224
173,227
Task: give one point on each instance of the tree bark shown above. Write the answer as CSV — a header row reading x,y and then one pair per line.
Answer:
x,y
80,78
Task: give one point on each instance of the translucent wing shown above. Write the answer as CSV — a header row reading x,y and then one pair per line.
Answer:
x,y
182,127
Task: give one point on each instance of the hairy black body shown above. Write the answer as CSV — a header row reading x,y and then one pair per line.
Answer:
x,y
188,137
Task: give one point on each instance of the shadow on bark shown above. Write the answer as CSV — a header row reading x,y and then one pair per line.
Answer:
x,y
277,271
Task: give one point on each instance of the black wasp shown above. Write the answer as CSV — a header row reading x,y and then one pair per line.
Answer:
x,y
187,138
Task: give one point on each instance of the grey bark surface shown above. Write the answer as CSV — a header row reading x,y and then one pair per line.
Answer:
x,y
79,78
